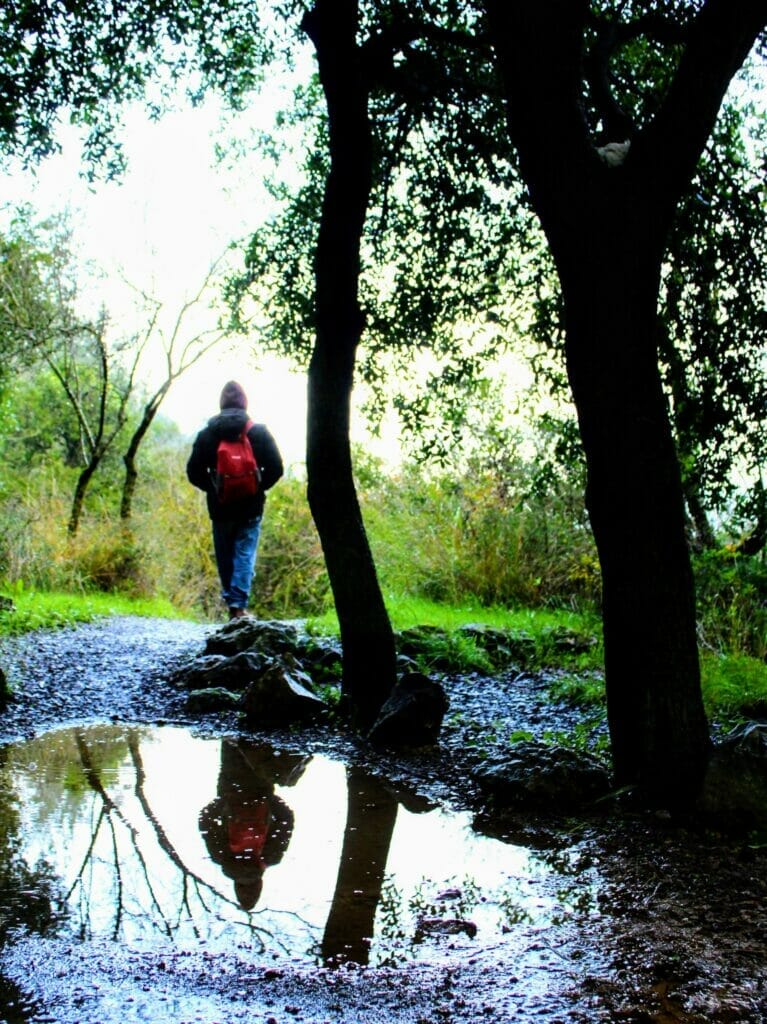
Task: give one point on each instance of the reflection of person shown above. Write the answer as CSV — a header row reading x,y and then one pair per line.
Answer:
x,y
247,828
237,524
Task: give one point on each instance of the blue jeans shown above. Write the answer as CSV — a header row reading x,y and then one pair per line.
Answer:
x,y
235,545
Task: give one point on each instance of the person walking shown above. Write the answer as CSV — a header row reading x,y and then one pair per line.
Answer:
x,y
235,504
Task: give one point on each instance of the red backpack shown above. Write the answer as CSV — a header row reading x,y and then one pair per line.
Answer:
x,y
237,474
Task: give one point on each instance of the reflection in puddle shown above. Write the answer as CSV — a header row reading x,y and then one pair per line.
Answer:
x,y
142,835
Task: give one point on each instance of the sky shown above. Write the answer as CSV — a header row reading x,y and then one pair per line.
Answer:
x,y
158,229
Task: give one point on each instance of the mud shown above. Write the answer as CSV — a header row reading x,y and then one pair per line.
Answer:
x,y
651,921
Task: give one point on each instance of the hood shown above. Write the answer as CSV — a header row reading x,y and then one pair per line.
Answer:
x,y
228,424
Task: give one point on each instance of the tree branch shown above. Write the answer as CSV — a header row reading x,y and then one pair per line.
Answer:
x,y
719,42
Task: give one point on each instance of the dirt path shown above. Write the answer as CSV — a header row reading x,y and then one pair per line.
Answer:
x,y
658,924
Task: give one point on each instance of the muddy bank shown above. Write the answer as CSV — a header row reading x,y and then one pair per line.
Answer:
x,y
652,922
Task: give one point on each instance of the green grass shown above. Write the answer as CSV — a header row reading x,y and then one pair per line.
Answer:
x,y
734,686
44,610
406,612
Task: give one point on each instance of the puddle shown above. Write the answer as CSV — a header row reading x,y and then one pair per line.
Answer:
x,y
151,835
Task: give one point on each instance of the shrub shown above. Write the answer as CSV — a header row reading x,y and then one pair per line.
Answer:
x,y
479,538
732,602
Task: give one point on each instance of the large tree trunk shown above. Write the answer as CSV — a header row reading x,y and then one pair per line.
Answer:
x,y
634,497
369,658
607,226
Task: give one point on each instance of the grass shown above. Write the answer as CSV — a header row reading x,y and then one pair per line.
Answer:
x,y
406,612
734,687
44,610
543,632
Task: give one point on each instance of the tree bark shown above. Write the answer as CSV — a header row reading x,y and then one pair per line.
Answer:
x,y
78,500
658,726
129,459
369,657
607,228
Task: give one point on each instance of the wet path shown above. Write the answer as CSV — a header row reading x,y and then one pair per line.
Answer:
x,y
112,669
139,880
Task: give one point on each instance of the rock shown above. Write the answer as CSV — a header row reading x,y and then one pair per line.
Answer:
x,y
198,673
218,671
5,690
281,695
321,658
412,715
503,647
267,637
214,698
734,791
443,926
569,641
538,775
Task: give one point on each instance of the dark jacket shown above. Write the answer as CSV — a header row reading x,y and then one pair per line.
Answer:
x,y
201,467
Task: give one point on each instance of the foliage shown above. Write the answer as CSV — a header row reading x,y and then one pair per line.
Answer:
x,y
713,317
490,535
86,61
732,602
290,578
734,687
29,310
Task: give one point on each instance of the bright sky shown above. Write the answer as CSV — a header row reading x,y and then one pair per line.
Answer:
x,y
160,228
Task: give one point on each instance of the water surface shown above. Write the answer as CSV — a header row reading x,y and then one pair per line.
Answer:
x,y
148,835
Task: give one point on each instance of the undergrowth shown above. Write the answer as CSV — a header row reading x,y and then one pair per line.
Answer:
x,y
734,688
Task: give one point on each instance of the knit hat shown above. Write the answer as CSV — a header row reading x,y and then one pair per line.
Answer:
x,y
233,397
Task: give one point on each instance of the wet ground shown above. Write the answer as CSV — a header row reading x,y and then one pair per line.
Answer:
x,y
371,888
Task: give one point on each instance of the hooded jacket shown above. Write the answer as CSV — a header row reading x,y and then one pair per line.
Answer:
x,y
201,467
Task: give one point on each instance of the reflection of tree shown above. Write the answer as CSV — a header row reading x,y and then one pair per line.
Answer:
x,y
247,828
371,814
194,896
28,896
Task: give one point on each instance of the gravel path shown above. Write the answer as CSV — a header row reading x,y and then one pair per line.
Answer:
x,y
111,669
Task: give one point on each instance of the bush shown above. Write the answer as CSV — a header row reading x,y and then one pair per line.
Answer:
x,y
479,538
732,602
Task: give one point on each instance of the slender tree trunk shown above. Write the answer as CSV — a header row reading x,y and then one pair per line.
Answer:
x,y
78,500
370,819
129,459
369,659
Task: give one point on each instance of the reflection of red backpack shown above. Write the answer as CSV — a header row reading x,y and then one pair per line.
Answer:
x,y
237,474
248,831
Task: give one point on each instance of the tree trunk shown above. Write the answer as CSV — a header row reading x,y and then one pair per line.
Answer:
x,y
369,657
129,459
658,727
78,499
607,229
